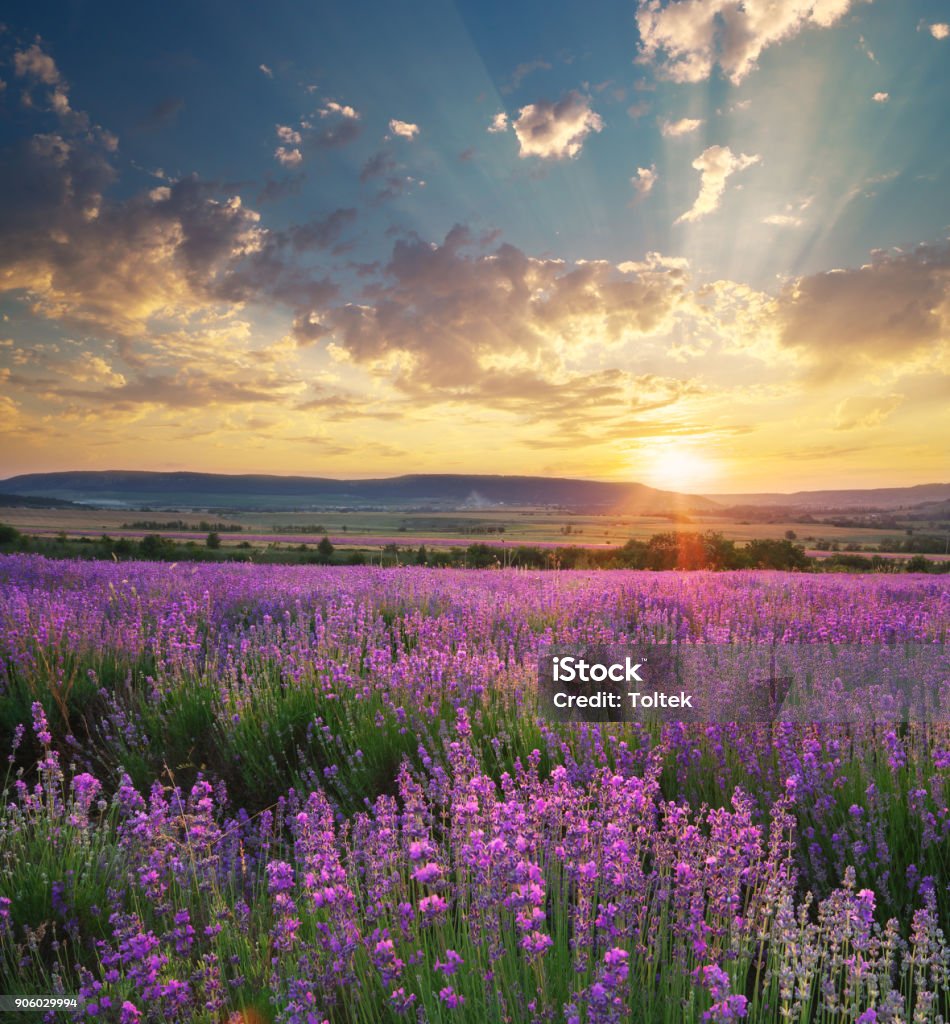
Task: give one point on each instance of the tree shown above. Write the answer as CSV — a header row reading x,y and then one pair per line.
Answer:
x,y
422,555
480,556
633,554
776,554
8,534
791,535
325,550
213,540
153,545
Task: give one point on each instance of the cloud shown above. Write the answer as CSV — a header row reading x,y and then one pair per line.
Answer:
x,y
163,113
404,129
288,156
334,109
341,126
120,267
338,126
939,30
288,135
39,68
499,123
382,165
33,63
522,71
716,164
276,189
323,233
687,39
893,310
441,316
655,262
180,389
881,97
866,50
783,220
555,131
865,411
377,166
264,69
675,129
644,180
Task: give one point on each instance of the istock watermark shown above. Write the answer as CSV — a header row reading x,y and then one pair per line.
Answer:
x,y
746,682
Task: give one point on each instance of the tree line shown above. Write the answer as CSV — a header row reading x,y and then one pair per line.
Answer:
x,y
662,552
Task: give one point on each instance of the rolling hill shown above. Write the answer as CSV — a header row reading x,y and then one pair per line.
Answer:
x,y
873,497
213,490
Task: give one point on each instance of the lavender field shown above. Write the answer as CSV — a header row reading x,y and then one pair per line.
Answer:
x,y
307,794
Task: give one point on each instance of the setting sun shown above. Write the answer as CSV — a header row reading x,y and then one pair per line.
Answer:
x,y
673,465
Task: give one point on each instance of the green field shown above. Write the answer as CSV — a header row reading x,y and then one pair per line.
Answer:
x,y
523,526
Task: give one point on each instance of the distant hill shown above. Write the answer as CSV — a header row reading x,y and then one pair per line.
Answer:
x,y
214,490
875,497
30,501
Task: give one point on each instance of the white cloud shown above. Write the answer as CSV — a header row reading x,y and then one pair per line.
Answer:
x,y
881,97
404,129
556,130
331,107
644,180
288,156
716,164
783,220
674,129
289,136
687,39
499,123
940,30
655,262
266,70
790,218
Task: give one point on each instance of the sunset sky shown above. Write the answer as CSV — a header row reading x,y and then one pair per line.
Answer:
x,y
702,244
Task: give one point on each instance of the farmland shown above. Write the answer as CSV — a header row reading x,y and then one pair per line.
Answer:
x,y
509,526
325,793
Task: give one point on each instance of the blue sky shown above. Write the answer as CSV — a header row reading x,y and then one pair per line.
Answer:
x,y
653,240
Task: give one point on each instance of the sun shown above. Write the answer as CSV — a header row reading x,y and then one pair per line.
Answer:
x,y
673,465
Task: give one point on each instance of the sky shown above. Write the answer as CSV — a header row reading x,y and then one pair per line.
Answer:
x,y
701,244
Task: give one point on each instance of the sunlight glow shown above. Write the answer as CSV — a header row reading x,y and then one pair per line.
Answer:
x,y
671,464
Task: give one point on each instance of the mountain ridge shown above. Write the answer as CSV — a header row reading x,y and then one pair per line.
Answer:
x,y
475,490
853,497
